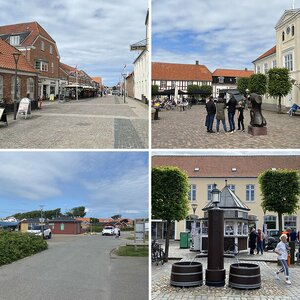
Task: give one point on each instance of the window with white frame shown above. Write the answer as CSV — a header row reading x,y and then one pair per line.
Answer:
x,y
290,221
288,61
190,83
249,192
270,221
221,79
30,87
14,40
163,84
232,187
192,194
274,64
41,65
209,189
266,68
257,69
42,45
1,87
50,49
13,87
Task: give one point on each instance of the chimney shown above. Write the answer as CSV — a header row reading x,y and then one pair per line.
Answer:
x,y
197,62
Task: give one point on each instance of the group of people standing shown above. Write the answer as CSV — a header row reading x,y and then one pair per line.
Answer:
x,y
217,110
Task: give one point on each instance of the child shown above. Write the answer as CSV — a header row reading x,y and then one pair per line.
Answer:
x,y
282,251
241,116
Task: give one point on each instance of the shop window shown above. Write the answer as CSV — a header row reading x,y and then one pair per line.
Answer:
x,y
290,221
229,228
1,87
30,87
270,221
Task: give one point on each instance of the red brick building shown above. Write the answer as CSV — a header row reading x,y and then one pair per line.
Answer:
x,y
65,226
40,50
26,78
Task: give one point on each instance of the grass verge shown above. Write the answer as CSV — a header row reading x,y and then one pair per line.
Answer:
x,y
139,251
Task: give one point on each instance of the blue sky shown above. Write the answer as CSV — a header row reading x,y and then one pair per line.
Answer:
x,y
106,183
219,34
93,34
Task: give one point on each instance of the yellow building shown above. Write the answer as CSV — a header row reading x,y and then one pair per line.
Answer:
x,y
241,174
285,54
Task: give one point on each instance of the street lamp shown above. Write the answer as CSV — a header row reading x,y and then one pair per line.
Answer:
x,y
16,58
215,195
194,207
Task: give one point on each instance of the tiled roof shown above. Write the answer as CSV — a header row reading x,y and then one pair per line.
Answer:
x,y
187,72
66,67
269,52
232,73
227,166
97,79
33,28
7,60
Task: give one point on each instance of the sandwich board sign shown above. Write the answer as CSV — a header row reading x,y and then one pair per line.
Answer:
x,y
24,107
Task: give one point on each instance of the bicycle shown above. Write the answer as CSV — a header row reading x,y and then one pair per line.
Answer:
x,y
157,253
232,249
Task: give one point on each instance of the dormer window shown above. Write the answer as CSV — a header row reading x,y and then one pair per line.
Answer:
x,y
14,40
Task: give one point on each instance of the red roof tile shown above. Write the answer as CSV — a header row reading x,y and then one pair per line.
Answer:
x,y
222,166
269,52
232,73
187,72
34,28
7,60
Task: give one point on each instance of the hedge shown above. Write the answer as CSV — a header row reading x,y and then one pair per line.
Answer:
x,y
17,245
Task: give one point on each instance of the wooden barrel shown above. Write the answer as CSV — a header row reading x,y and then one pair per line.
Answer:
x,y
244,276
186,274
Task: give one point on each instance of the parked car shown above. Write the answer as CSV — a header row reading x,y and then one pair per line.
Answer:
x,y
41,230
116,92
108,230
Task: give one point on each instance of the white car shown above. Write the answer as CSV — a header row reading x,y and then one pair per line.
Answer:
x,y
108,230
41,230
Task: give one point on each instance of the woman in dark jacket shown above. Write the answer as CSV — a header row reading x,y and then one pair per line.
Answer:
x,y
220,115
252,240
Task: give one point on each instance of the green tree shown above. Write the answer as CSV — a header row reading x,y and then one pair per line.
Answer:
x,y
279,84
258,84
280,190
154,89
116,217
76,212
243,85
169,197
48,214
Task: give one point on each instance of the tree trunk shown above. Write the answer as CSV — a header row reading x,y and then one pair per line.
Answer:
x,y
279,105
167,241
280,223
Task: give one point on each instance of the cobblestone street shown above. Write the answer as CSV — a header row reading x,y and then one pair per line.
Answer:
x,y
93,123
185,129
271,289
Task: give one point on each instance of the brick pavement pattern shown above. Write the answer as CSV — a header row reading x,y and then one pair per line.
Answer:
x,y
186,129
93,123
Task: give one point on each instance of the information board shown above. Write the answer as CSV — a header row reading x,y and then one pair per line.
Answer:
x,y
24,107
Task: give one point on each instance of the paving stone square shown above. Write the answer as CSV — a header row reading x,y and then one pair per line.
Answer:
x,y
92,123
186,129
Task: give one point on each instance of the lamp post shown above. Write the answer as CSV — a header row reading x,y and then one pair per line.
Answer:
x,y
16,56
215,272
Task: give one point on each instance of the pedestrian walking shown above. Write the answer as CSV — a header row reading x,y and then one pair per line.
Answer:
x,y
241,116
220,114
259,241
232,103
211,111
252,240
282,251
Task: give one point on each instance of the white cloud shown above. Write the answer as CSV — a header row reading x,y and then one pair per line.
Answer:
x,y
221,33
93,34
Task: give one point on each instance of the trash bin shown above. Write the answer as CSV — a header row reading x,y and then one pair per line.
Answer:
x,y
184,240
